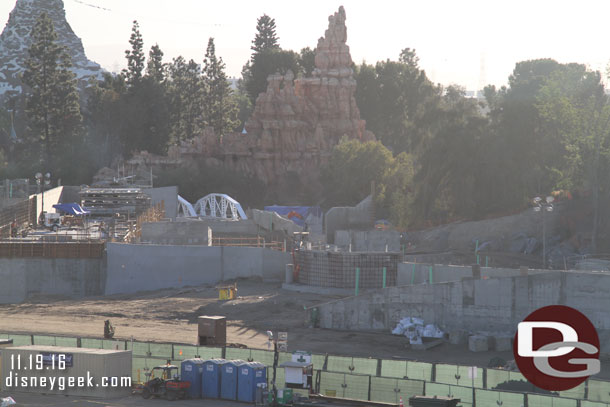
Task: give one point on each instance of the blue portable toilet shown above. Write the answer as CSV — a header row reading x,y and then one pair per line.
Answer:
x,y
210,380
191,370
228,379
249,375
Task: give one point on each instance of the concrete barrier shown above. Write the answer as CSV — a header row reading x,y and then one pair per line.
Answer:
x,y
139,267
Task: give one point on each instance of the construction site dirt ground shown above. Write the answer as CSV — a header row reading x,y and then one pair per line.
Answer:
x,y
171,316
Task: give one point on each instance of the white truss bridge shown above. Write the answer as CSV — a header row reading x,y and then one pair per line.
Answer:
x,y
219,206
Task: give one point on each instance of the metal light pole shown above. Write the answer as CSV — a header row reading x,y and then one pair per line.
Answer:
x,y
42,181
543,206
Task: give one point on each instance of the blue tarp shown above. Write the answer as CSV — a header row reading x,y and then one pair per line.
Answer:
x,y
297,214
71,209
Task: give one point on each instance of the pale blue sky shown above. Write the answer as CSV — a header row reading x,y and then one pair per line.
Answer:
x,y
451,37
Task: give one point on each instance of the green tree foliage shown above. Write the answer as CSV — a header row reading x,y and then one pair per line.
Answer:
x,y
307,61
53,110
576,117
219,107
266,37
155,68
185,96
266,63
354,166
398,101
135,56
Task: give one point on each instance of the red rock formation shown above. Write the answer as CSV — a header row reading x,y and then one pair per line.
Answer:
x,y
296,122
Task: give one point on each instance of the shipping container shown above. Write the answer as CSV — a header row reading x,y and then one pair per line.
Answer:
x,y
248,377
210,380
69,371
191,370
228,379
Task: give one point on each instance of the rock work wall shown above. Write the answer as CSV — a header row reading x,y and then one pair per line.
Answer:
x,y
15,41
296,122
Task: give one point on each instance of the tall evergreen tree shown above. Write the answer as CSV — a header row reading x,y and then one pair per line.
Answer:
x,y
185,96
135,56
155,68
52,101
266,37
219,108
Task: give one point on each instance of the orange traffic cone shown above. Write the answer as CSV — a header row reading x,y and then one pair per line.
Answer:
x,y
401,403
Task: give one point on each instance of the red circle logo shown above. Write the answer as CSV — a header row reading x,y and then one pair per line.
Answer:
x,y
556,348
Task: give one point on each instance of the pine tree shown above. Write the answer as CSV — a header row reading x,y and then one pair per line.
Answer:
x,y
155,68
52,100
219,108
185,96
266,37
135,56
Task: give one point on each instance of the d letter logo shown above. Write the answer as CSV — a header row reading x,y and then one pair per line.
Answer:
x,y
557,348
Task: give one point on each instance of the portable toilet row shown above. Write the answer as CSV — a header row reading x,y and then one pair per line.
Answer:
x,y
225,379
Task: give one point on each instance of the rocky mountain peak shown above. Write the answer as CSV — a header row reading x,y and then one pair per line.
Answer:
x,y
15,41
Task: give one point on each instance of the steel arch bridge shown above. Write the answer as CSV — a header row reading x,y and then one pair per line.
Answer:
x,y
220,206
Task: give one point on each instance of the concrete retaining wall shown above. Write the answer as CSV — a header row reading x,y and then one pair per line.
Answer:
x,y
133,268
360,216
418,273
22,278
491,305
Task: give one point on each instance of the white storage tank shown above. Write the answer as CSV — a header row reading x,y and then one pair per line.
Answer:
x,y
87,372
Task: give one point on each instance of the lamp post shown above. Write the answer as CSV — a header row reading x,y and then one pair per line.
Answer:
x,y
543,206
42,182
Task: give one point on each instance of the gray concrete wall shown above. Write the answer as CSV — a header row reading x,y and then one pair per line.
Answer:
x,y
489,305
349,217
22,278
141,267
368,240
167,195
417,273
191,232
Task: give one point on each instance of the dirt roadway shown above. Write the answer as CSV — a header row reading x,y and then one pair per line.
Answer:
x,y
171,316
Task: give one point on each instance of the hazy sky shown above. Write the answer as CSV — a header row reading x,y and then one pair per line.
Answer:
x,y
454,39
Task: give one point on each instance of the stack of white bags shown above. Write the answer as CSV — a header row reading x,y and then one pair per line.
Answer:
x,y
414,329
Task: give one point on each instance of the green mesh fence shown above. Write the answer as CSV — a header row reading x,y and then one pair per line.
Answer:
x,y
394,368
498,398
390,390
68,342
419,371
44,340
206,352
536,400
20,340
366,366
459,375
236,353
91,343
4,336
262,356
284,357
447,390
496,377
339,364
384,390
161,350
279,377
599,391
139,348
577,392
138,369
183,352
318,361
113,345
332,384
587,403
357,386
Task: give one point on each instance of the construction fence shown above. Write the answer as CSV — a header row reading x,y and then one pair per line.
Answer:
x,y
22,211
380,380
